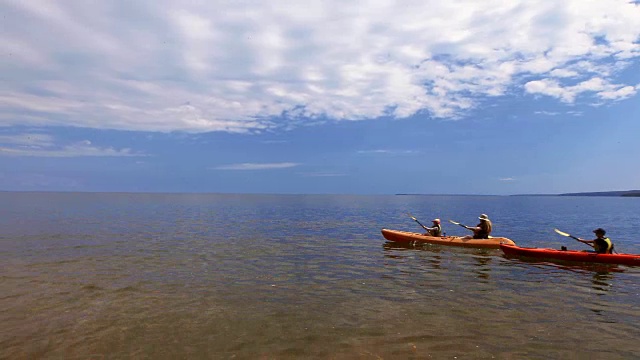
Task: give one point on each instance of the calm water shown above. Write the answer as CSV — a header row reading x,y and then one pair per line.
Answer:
x,y
260,276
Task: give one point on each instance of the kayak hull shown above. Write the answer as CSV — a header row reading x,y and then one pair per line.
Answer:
x,y
571,255
411,237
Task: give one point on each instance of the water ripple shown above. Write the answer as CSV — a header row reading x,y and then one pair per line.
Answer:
x,y
233,276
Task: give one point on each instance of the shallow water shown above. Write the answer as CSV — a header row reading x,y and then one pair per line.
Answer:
x,y
289,276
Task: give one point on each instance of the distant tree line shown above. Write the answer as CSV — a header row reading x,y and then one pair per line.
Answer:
x,y
631,193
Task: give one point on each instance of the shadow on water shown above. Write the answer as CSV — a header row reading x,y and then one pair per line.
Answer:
x,y
436,248
478,261
481,261
598,268
601,281
483,266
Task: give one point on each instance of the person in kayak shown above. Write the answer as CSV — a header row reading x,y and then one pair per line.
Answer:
x,y
435,230
482,230
601,244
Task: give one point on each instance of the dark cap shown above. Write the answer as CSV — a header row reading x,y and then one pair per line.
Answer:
x,y
599,230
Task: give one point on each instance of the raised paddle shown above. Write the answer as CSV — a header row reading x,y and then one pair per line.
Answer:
x,y
571,236
416,220
457,223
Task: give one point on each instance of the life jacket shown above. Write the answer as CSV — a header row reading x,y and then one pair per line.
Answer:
x,y
437,231
485,230
599,248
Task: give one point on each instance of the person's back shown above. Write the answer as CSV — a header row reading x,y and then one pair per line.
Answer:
x,y
436,230
603,245
484,228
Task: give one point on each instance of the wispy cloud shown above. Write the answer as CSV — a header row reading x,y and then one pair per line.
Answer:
x,y
256,166
158,66
507,179
558,113
32,140
387,151
43,145
547,113
322,174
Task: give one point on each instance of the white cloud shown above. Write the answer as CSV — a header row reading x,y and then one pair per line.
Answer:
x,y
507,179
618,94
550,87
256,166
43,145
254,65
563,73
602,89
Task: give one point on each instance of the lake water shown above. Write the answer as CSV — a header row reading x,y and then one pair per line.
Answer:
x,y
187,276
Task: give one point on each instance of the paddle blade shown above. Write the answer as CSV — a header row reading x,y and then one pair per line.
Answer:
x,y
453,222
416,220
566,234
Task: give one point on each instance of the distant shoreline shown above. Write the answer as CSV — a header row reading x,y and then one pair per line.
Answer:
x,y
626,193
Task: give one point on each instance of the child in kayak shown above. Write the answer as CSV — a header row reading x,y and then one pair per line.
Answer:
x,y
436,230
601,244
482,230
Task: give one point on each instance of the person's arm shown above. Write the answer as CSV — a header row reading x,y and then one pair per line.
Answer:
x,y
473,228
588,242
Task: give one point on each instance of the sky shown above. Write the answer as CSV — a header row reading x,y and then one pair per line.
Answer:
x,y
320,96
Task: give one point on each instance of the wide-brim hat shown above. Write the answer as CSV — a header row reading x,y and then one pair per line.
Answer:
x,y
483,217
437,221
599,230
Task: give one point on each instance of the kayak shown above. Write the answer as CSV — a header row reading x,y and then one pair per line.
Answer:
x,y
571,255
411,237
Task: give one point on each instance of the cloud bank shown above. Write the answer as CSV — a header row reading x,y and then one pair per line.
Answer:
x,y
248,66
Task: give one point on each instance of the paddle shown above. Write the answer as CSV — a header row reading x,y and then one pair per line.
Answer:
x,y
571,236
457,223
416,220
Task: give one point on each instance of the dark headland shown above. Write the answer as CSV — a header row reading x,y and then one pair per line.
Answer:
x,y
625,193
631,193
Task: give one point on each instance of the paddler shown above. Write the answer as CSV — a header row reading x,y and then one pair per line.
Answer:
x,y
482,230
601,244
435,230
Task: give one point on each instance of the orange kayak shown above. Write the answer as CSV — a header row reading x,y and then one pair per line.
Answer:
x,y
571,255
411,237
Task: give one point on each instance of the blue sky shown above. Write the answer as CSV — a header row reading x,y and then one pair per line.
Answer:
x,y
378,97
